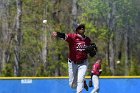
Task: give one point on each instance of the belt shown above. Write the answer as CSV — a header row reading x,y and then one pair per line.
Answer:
x,y
77,62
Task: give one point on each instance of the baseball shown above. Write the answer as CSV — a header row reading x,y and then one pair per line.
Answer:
x,y
118,62
44,21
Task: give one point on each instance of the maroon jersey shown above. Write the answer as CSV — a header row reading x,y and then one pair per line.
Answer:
x,y
96,68
77,45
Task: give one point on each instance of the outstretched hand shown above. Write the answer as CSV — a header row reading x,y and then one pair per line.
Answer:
x,y
54,34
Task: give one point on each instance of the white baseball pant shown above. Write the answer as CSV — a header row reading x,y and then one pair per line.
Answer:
x,y
77,75
95,81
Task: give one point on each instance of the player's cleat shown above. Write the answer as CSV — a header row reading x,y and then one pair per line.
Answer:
x,y
90,84
85,86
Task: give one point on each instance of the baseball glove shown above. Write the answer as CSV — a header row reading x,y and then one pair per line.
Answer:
x,y
92,49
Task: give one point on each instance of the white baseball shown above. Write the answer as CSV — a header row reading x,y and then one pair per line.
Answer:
x,y
44,21
118,62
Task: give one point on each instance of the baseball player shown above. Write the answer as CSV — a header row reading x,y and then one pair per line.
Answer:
x,y
79,48
95,73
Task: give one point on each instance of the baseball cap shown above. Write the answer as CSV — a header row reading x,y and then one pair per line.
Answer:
x,y
78,26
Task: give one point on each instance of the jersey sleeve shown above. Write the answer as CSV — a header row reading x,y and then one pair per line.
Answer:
x,y
69,37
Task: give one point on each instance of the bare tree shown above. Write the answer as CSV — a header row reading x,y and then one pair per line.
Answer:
x,y
111,25
44,38
74,10
18,38
74,13
4,37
